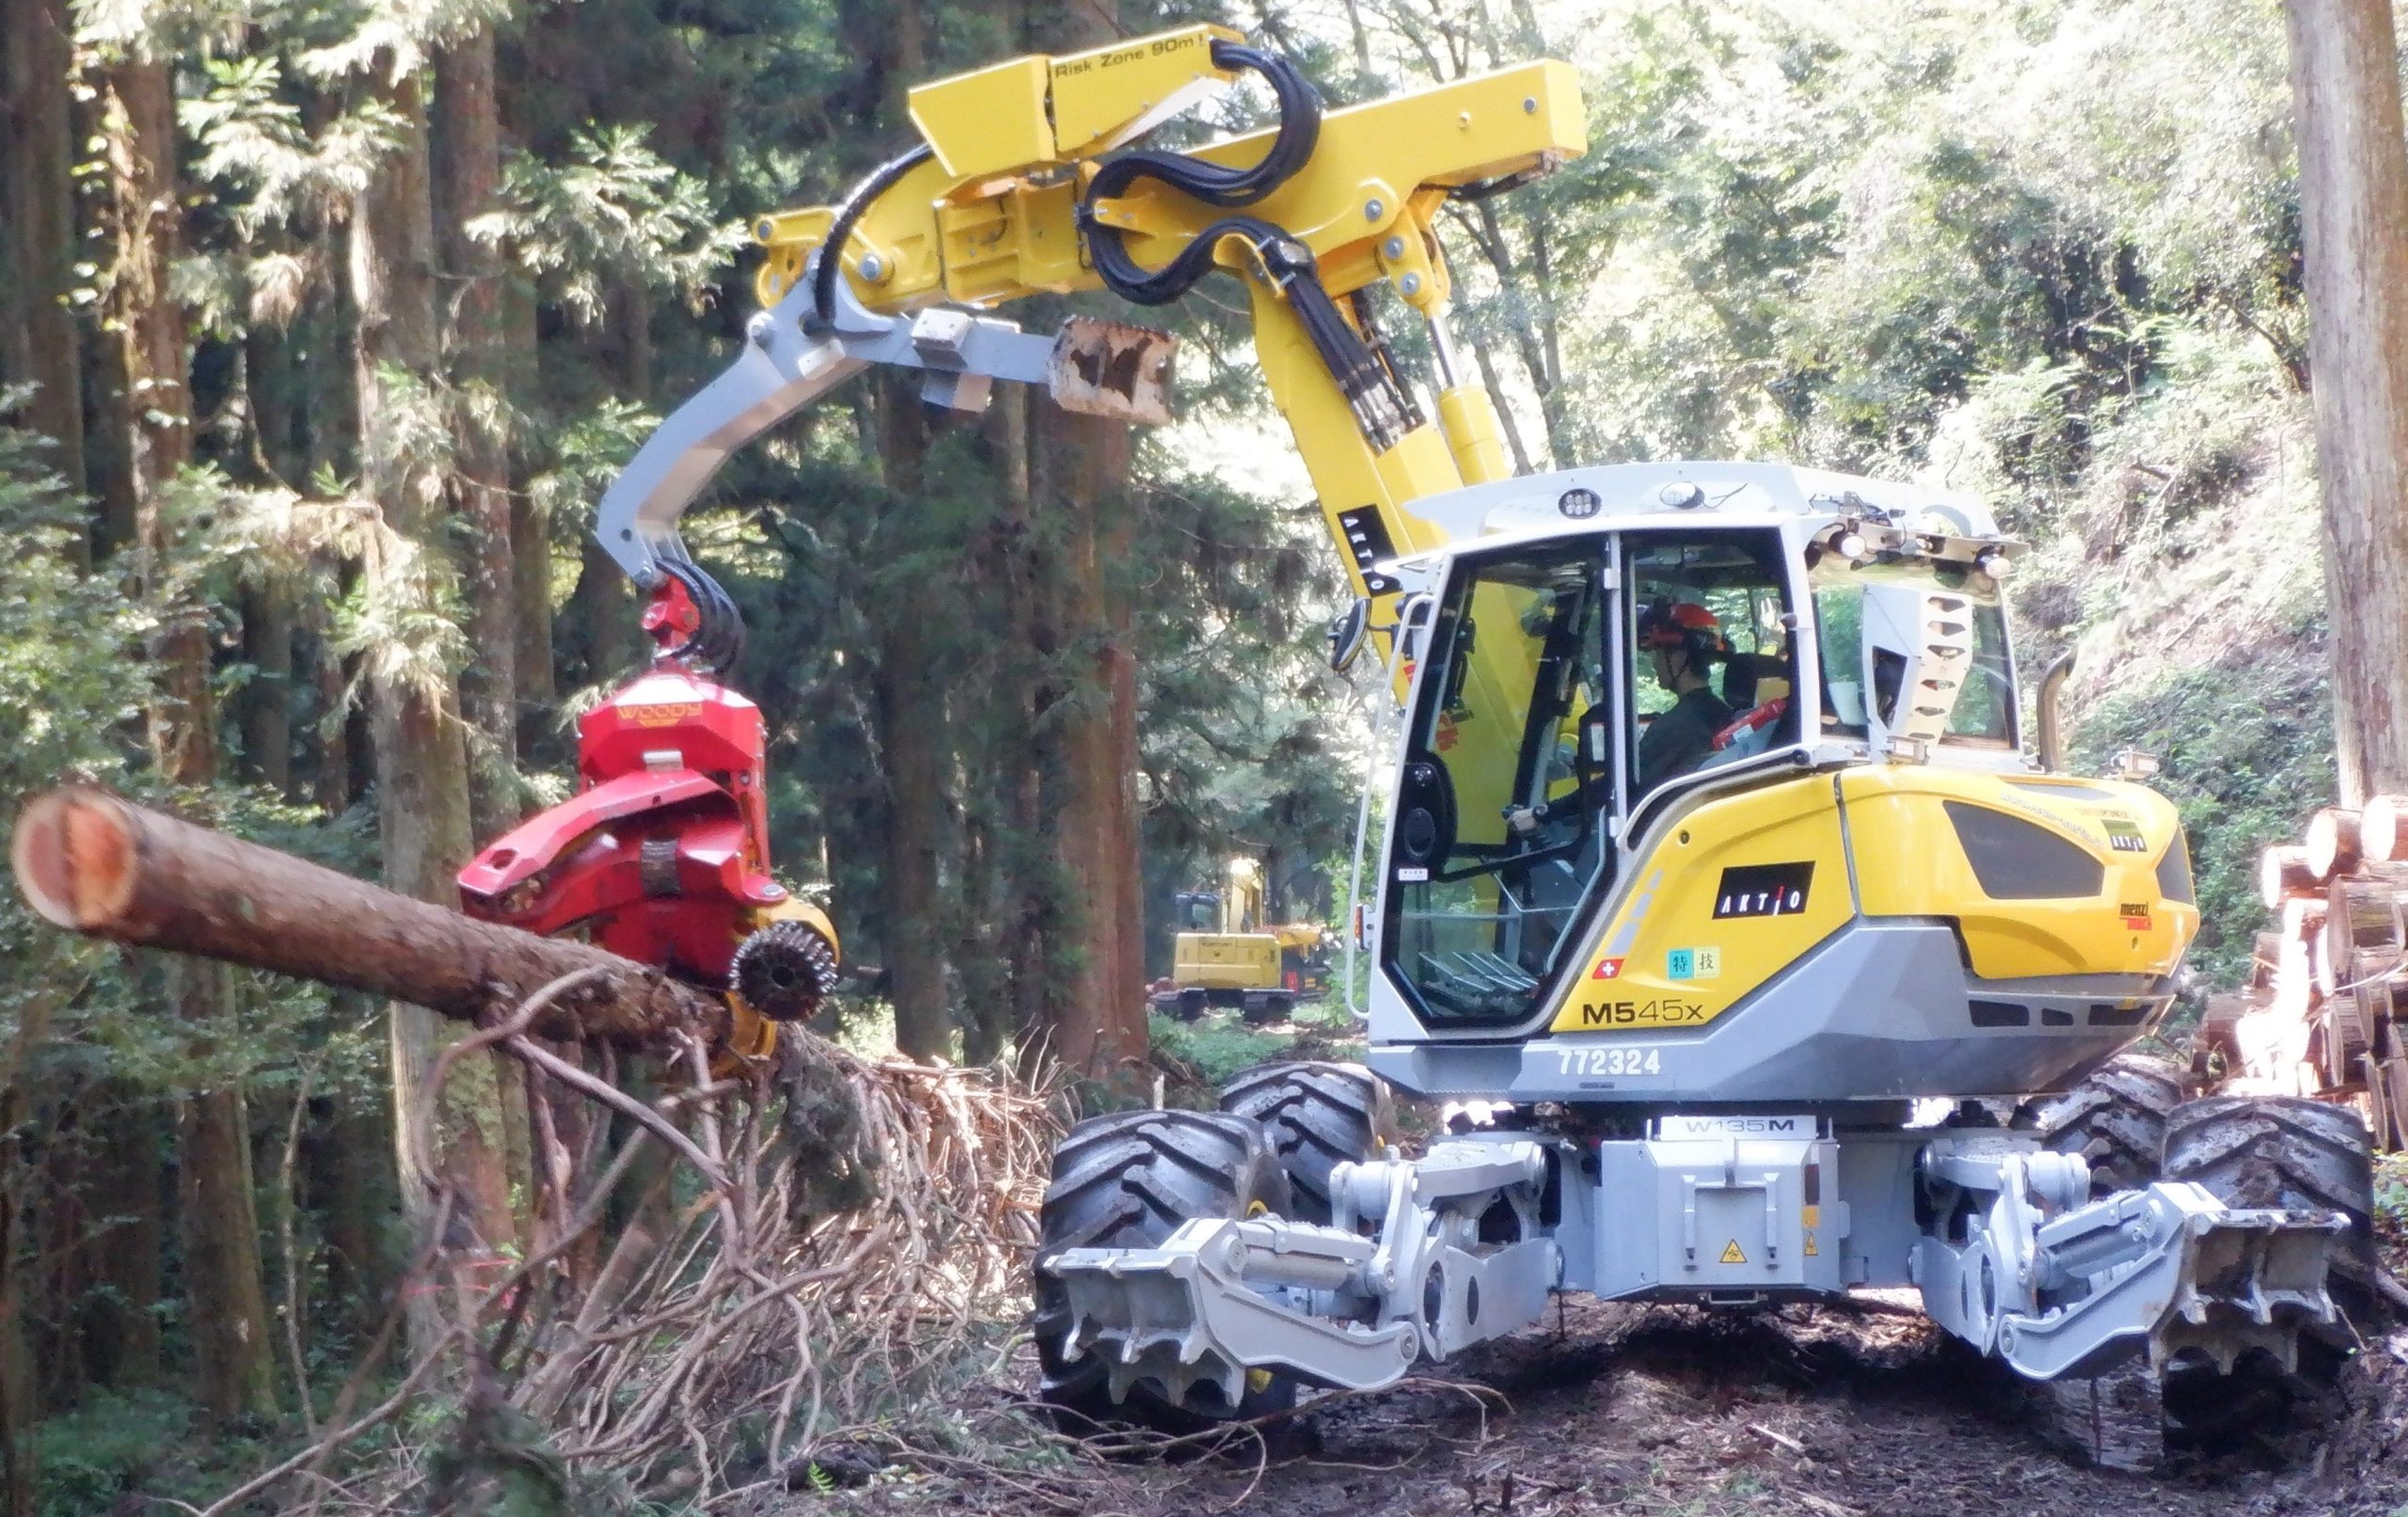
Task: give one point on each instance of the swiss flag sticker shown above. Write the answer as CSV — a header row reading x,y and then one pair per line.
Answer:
x,y
1608,969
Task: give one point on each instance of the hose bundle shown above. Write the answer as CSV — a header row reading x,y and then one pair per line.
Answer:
x,y
1379,406
719,640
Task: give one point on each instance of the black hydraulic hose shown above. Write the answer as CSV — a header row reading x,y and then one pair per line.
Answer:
x,y
718,638
1214,184
840,231
1370,389
1217,183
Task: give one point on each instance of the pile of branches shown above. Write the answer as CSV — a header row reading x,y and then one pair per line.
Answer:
x,y
766,1261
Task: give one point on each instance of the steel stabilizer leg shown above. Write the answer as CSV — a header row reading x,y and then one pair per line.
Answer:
x,y
1327,1305
2021,1266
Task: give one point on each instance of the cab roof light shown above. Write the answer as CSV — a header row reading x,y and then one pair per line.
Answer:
x,y
1848,539
2132,764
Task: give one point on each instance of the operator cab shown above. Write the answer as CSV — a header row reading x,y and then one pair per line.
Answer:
x,y
1627,641
1198,910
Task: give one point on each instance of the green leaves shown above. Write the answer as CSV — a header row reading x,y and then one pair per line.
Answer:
x,y
251,137
614,211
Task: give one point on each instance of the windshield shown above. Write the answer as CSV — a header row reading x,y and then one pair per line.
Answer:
x,y
1983,715
1497,844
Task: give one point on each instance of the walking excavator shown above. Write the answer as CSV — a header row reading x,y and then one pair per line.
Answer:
x,y
1716,869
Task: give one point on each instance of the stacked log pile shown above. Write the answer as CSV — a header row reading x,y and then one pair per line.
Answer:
x,y
2319,1017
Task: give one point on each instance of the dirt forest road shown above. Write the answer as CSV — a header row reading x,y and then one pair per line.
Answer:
x,y
1667,1410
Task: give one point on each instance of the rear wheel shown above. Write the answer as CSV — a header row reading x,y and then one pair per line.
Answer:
x,y
1128,1181
1317,1117
2295,1155
2280,1151
1191,1004
2115,1118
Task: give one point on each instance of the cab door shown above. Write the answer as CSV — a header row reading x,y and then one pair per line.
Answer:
x,y
1510,791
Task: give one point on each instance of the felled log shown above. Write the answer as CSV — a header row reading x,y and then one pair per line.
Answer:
x,y
101,865
2283,875
2333,843
2266,952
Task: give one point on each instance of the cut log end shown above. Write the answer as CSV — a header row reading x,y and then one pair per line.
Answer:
x,y
2283,875
73,858
2333,843
2382,836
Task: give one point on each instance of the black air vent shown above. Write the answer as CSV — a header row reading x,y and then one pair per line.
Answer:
x,y
2016,860
2174,874
2000,1013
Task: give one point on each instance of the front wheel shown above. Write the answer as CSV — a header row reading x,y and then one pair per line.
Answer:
x,y
1128,1181
1317,1117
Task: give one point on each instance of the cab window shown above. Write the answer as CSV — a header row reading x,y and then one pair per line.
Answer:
x,y
1983,715
1498,847
1711,669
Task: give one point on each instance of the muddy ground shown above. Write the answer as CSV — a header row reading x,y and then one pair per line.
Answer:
x,y
1671,1411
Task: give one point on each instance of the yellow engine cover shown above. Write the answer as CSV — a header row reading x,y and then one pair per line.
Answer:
x,y
2040,877
1916,856
1225,961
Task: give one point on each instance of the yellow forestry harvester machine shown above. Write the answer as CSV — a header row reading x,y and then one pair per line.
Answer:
x,y
1716,865
1225,954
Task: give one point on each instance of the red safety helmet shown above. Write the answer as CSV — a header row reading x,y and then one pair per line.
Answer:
x,y
1679,624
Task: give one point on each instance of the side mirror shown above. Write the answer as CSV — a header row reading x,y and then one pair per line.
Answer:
x,y
1347,632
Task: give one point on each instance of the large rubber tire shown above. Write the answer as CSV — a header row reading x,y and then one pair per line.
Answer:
x,y
2114,1118
2298,1154
1318,1117
2281,1151
1128,1181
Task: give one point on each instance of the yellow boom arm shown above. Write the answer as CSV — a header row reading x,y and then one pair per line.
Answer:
x,y
1001,204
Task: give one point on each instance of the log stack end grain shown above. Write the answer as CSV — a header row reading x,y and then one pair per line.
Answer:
x,y
2332,846
2283,875
2319,1015
2383,830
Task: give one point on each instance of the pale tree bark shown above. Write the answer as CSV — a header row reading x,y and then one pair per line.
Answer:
x,y
421,753
38,338
223,1296
2354,204
466,158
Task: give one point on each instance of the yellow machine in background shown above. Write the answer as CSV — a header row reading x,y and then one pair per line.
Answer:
x,y
1224,954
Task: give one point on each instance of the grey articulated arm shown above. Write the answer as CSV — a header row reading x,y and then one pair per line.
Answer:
x,y
791,358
